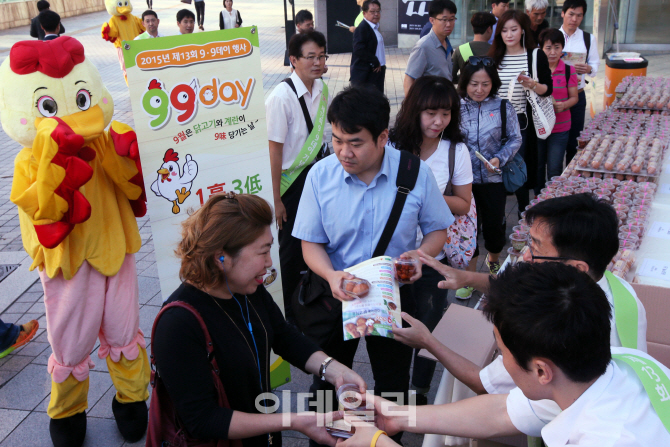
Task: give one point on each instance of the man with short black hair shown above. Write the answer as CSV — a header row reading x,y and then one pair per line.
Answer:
x,y
50,24
345,206
578,230
482,25
368,60
578,41
431,55
536,10
551,323
498,8
150,22
185,21
296,142
304,21
35,29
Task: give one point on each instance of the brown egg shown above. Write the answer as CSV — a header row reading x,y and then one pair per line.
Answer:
x,y
360,289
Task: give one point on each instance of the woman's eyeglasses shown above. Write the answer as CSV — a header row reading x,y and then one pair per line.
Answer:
x,y
485,61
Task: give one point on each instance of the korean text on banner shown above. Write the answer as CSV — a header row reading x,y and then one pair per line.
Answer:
x,y
199,115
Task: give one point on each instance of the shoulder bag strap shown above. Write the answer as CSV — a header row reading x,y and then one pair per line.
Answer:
x,y
503,122
408,172
208,340
655,381
625,312
303,105
535,65
567,75
448,190
587,42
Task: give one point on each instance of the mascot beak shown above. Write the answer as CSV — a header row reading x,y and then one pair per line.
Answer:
x,y
89,124
163,171
124,10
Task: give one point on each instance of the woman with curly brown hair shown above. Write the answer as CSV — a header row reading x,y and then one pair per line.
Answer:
x,y
225,253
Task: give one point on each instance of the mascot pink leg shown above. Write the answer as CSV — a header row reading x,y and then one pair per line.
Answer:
x,y
78,187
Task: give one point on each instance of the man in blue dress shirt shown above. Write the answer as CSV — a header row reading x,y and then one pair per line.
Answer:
x,y
345,204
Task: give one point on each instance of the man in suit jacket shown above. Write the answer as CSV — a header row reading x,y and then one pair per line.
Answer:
x,y
35,28
368,62
50,24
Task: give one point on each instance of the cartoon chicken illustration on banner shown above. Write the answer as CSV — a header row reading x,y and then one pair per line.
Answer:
x,y
121,26
78,186
170,184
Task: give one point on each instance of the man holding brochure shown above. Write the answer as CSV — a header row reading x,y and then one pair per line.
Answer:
x,y
345,217
296,111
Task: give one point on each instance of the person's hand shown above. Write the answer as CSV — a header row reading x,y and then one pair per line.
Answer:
x,y
495,161
526,81
352,29
313,425
559,106
387,416
582,68
365,431
339,374
416,336
378,69
280,213
414,254
453,278
335,282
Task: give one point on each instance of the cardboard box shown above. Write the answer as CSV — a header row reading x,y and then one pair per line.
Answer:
x,y
466,332
656,302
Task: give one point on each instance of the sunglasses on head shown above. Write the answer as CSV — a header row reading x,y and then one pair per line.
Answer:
x,y
485,61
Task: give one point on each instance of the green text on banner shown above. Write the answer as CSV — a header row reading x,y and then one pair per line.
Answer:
x,y
656,383
311,147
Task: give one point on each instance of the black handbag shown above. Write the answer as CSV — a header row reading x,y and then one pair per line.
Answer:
x,y
313,302
514,173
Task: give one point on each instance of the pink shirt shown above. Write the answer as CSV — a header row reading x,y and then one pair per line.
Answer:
x,y
560,93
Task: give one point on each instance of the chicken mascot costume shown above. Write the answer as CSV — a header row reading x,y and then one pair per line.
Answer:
x,y
78,188
121,26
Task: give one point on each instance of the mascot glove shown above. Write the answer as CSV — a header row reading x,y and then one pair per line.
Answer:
x,y
106,31
125,144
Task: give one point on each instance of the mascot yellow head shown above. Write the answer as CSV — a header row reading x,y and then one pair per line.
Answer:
x,y
118,7
52,79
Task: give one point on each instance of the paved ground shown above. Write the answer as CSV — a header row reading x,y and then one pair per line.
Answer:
x,y
24,382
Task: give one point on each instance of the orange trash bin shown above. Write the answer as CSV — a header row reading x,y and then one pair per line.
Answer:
x,y
615,71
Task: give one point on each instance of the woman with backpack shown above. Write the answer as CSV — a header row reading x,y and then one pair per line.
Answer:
x,y
550,152
490,127
428,125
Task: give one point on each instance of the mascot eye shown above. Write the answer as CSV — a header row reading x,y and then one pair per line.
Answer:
x,y
47,106
120,4
83,99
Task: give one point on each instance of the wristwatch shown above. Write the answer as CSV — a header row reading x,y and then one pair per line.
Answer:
x,y
324,365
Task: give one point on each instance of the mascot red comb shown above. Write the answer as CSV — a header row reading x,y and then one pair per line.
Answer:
x,y
78,187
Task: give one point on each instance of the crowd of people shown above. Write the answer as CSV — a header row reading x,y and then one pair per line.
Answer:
x,y
422,188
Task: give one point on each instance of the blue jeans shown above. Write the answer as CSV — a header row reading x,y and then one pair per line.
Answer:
x,y
550,153
430,303
8,334
577,115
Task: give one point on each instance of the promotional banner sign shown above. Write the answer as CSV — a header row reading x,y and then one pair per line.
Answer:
x,y
412,16
199,115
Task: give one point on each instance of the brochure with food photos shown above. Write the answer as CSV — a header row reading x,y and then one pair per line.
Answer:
x,y
572,58
377,311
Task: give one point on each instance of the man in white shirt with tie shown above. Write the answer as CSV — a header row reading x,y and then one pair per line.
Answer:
x,y
368,61
578,41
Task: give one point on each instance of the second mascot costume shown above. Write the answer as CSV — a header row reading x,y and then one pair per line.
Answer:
x,y
78,188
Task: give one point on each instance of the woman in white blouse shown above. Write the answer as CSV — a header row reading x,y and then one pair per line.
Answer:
x,y
229,17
